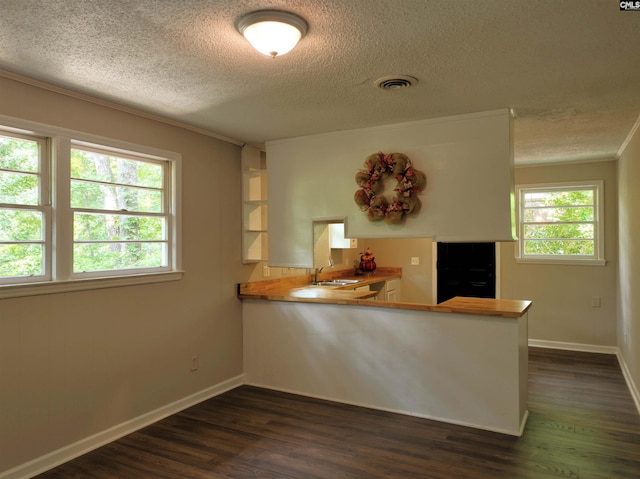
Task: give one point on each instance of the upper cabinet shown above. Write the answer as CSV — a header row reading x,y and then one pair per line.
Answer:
x,y
254,205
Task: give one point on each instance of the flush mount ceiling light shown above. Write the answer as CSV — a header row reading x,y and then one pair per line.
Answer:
x,y
272,32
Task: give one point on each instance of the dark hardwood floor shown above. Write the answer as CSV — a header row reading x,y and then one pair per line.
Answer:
x,y
582,424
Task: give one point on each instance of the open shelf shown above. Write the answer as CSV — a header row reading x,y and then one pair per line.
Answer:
x,y
255,240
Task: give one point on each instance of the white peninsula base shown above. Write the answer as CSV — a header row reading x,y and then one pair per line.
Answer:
x,y
468,369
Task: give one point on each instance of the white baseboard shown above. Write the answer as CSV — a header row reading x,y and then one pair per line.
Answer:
x,y
627,377
62,455
523,423
586,348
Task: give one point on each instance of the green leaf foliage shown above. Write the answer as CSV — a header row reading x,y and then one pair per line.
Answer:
x,y
21,260
21,230
104,182
559,222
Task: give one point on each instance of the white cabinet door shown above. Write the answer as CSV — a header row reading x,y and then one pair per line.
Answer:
x,y
392,290
392,295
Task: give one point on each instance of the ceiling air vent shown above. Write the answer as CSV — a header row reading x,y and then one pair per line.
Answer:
x,y
395,82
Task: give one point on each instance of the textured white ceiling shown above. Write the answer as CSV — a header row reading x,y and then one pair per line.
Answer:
x,y
570,70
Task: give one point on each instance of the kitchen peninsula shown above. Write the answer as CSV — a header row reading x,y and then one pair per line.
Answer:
x,y
463,361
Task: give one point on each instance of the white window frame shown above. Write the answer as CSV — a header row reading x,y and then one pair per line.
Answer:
x,y
598,258
59,275
166,207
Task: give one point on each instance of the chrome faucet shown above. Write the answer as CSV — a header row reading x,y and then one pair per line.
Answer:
x,y
319,270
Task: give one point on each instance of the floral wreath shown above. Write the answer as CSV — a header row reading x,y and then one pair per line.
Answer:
x,y
378,168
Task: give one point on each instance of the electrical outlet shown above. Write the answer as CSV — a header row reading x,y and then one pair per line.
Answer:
x,y
595,302
266,271
194,363
415,260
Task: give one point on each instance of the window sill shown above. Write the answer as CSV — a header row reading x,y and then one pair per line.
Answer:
x,y
53,287
563,262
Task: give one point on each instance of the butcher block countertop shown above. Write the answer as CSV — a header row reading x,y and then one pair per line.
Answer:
x,y
510,308
299,289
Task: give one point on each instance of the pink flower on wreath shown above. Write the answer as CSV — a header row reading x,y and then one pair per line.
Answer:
x,y
407,187
386,161
396,205
369,167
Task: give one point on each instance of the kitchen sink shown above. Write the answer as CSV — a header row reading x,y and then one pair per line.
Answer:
x,y
337,282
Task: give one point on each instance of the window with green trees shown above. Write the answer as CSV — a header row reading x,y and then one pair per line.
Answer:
x,y
561,222
22,207
119,219
89,211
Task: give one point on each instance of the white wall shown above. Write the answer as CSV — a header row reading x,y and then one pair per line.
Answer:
x,y
467,159
76,364
629,277
562,295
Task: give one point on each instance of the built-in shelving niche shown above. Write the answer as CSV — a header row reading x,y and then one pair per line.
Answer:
x,y
254,205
